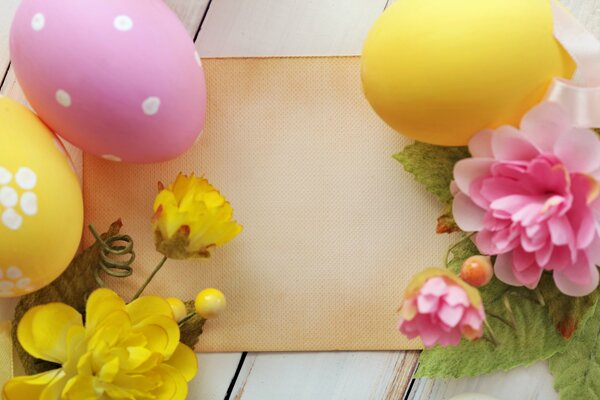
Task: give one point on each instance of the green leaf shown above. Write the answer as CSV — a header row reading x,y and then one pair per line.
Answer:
x,y
191,329
566,312
533,338
432,166
576,370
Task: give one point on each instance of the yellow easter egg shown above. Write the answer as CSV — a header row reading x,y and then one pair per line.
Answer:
x,y
41,205
440,71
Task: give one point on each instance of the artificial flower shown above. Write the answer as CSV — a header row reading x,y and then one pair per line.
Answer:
x,y
441,308
532,196
191,217
124,351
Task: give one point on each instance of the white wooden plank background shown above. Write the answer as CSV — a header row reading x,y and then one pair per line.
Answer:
x,y
310,27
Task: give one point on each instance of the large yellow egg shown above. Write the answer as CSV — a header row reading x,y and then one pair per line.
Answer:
x,y
41,205
440,71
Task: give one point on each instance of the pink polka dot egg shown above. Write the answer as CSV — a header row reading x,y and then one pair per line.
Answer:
x,y
120,79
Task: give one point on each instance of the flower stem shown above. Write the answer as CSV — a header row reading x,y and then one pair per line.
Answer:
x,y
540,296
490,331
158,267
187,318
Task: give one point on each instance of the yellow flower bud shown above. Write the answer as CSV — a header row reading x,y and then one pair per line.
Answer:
x,y
210,303
191,217
178,308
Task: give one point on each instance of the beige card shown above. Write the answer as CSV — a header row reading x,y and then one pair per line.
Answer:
x,y
334,227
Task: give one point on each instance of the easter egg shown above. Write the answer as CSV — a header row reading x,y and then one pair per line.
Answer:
x,y
120,79
41,206
440,71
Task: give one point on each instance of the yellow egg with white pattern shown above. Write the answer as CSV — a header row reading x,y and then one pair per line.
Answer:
x,y
41,204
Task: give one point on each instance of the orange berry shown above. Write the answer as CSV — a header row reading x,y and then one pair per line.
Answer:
x,y
477,271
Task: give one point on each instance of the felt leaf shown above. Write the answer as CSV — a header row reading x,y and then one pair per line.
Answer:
x,y
533,337
192,329
566,312
432,166
71,288
576,370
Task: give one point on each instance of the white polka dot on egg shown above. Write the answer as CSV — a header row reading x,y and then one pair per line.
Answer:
x,y
63,98
5,176
111,157
8,196
23,283
26,178
38,22
11,219
123,23
14,273
29,203
151,105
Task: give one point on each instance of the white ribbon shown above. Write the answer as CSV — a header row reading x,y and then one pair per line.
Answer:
x,y
581,97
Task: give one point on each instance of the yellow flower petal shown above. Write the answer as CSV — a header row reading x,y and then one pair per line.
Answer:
x,y
101,303
81,388
43,331
32,387
185,361
148,306
174,386
161,332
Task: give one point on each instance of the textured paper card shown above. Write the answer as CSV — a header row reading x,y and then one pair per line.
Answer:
x,y
334,227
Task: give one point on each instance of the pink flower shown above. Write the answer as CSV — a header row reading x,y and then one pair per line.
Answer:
x,y
532,197
440,308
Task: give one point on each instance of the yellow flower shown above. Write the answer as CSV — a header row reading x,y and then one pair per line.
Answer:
x,y
123,351
191,217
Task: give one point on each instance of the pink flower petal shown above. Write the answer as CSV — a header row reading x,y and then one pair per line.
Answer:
x,y
451,338
466,171
503,270
456,296
561,231
542,256
450,315
543,124
435,286
509,145
480,145
560,259
568,287
468,216
427,303
579,150
429,333
484,241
